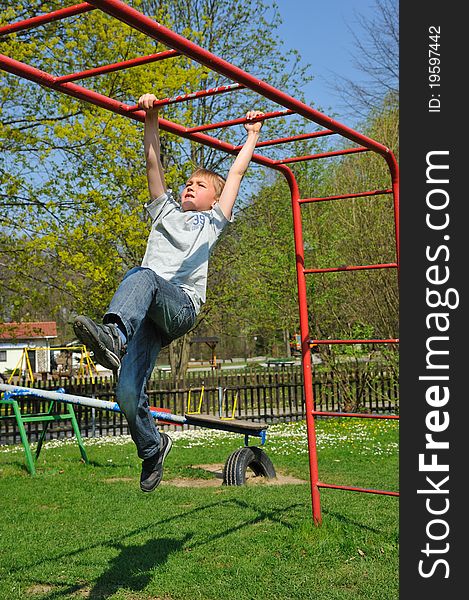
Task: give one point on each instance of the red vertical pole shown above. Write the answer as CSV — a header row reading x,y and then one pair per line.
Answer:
x,y
394,170
306,351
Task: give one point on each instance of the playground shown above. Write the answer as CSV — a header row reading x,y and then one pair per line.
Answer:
x,y
247,509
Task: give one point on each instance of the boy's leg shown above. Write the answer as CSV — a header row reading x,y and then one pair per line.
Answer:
x,y
126,311
143,293
132,299
137,365
136,368
170,315
171,311
150,312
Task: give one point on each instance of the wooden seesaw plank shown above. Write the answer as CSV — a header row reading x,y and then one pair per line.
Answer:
x,y
232,425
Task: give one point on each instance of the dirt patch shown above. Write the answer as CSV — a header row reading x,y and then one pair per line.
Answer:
x,y
48,507
279,480
35,590
217,471
188,482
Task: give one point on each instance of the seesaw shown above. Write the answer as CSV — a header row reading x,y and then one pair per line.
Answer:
x,y
236,466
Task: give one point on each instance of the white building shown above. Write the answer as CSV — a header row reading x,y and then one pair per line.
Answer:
x,y
17,339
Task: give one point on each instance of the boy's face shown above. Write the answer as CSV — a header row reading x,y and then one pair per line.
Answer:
x,y
198,194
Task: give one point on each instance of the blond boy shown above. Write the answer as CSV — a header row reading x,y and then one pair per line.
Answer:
x,y
159,301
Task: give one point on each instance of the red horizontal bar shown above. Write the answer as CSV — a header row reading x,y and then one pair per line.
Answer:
x,y
293,138
354,415
322,155
55,15
192,95
351,268
271,115
355,489
133,62
382,341
344,196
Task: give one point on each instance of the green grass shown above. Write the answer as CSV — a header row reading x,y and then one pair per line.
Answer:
x,y
86,531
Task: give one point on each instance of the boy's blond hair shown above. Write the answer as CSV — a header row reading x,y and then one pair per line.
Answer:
x,y
217,180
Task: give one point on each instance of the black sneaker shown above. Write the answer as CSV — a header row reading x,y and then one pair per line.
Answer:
x,y
104,340
152,468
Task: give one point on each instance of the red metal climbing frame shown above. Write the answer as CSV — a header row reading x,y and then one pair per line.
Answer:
x,y
179,45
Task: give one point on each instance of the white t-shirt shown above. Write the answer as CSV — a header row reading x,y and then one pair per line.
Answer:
x,y
180,244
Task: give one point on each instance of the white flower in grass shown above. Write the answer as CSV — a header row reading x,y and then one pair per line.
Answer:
x,y
282,438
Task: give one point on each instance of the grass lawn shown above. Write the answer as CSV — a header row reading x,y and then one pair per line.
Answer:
x,y
86,531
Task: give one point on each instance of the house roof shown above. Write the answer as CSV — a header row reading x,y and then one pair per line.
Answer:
x,y
28,331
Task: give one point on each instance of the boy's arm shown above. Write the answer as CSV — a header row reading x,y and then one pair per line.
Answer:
x,y
151,143
239,166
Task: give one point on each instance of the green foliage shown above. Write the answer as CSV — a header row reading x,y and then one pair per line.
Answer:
x,y
253,276
354,232
78,168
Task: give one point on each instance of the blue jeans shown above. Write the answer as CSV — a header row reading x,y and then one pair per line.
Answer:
x,y
153,312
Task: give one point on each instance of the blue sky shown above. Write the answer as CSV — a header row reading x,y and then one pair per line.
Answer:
x,y
319,30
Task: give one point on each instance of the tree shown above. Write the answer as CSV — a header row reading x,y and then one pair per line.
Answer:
x,y
74,197
253,289
376,56
253,282
360,304
261,287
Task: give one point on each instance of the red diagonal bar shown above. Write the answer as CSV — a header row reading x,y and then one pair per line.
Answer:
x,y
352,268
55,15
222,89
133,62
355,489
344,196
72,89
322,155
229,123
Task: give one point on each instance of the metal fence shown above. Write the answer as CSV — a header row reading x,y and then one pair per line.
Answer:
x,y
270,395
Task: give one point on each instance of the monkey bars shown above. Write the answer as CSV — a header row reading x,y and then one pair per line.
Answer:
x,y
240,80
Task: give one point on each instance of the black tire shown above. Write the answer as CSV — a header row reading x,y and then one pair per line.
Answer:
x,y
249,457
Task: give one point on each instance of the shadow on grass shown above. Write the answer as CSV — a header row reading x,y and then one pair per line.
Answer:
x,y
132,568
273,515
114,542
20,465
348,521
135,565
